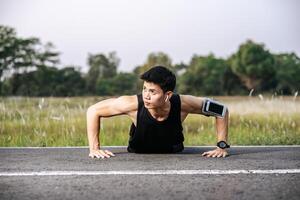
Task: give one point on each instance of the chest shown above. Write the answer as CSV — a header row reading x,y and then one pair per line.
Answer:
x,y
133,117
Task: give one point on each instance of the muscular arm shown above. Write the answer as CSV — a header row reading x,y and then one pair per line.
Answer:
x,y
106,108
192,104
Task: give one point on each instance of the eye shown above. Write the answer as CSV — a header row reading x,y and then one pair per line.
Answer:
x,y
152,92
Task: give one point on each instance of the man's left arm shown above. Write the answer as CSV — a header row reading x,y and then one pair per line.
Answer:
x,y
222,135
192,104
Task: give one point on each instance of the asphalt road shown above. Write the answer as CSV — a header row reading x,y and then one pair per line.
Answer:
x,y
68,173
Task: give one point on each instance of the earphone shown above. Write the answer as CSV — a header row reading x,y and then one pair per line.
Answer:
x,y
166,99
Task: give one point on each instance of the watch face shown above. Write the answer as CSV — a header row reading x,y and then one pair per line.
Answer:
x,y
222,144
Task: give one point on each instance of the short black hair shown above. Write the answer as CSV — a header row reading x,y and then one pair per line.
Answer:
x,y
161,76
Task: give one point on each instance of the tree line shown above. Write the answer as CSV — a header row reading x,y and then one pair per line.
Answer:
x,y
30,68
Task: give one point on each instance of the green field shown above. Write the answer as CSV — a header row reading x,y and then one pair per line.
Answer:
x,y
61,122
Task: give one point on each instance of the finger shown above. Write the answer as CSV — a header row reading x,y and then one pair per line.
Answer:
x,y
215,154
109,153
205,153
209,154
104,154
212,153
220,155
91,156
99,156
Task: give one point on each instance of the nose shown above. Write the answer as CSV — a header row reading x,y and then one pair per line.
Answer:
x,y
146,95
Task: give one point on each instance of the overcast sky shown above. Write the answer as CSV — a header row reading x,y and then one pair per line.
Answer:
x,y
134,28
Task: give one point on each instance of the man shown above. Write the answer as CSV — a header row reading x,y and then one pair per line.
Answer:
x,y
156,114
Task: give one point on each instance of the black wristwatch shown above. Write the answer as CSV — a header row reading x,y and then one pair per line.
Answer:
x,y
223,145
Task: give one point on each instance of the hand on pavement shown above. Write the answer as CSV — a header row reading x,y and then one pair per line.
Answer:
x,y
216,153
99,153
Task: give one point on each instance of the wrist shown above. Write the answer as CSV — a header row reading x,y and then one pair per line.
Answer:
x,y
94,147
223,144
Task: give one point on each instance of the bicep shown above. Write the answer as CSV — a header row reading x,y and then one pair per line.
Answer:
x,y
191,104
115,106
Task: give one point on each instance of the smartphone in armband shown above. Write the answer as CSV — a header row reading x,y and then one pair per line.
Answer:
x,y
213,108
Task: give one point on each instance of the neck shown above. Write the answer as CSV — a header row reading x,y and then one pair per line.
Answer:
x,y
162,111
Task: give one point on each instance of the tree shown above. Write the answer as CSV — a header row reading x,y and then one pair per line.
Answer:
x,y
287,73
232,83
204,75
101,67
121,84
19,55
46,81
69,82
253,64
154,59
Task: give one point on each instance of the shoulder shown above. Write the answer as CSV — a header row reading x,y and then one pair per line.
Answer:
x,y
191,104
115,106
126,103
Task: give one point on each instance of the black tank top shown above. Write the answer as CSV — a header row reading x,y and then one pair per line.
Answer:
x,y
152,136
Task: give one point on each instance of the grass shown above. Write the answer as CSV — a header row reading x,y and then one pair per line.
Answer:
x,y
61,122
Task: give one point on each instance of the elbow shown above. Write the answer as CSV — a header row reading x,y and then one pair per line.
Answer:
x,y
227,114
91,111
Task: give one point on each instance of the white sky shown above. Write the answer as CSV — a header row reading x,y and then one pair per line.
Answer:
x,y
134,28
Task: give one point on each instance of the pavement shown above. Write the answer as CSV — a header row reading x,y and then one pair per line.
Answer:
x,y
256,172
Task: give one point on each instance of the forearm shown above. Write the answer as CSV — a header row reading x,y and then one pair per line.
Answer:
x,y
222,127
93,129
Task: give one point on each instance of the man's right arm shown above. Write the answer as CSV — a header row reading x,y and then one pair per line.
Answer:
x,y
106,108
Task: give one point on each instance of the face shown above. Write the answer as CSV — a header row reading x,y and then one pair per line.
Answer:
x,y
153,95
